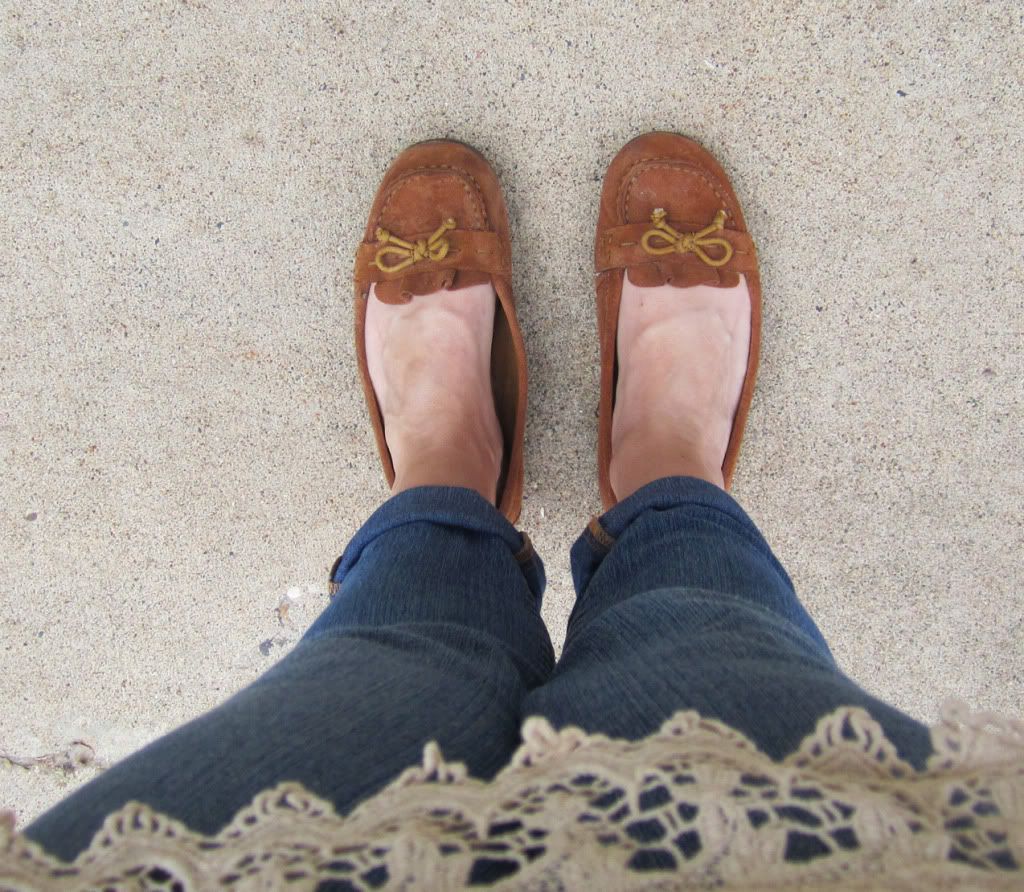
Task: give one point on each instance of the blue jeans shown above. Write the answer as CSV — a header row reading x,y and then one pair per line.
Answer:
x,y
435,634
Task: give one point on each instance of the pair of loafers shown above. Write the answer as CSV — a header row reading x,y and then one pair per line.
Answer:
x,y
668,215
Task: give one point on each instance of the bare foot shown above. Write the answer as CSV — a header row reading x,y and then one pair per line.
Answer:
x,y
430,364
682,357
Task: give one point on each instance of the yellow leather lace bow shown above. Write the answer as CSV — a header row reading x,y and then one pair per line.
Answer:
x,y
434,248
684,242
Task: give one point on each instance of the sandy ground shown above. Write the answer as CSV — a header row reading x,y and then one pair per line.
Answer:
x,y
183,440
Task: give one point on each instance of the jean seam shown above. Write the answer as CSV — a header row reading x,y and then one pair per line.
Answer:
x,y
526,552
600,550
599,535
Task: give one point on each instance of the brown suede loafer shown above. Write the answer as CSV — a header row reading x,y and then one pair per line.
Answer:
x,y
668,216
439,222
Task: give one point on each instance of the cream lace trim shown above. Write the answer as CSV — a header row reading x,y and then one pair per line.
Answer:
x,y
695,805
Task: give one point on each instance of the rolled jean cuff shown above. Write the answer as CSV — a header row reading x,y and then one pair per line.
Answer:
x,y
671,492
674,492
447,506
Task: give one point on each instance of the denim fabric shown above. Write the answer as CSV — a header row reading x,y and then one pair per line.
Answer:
x,y
435,634
682,605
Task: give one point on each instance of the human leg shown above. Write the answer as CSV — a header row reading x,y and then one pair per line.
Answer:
x,y
434,634
682,605
680,602
435,631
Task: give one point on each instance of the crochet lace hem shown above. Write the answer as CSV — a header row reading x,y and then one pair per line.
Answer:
x,y
695,805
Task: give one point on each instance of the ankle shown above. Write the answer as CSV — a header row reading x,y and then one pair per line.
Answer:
x,y
429,362
441,473
639,458
682,357
466,457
